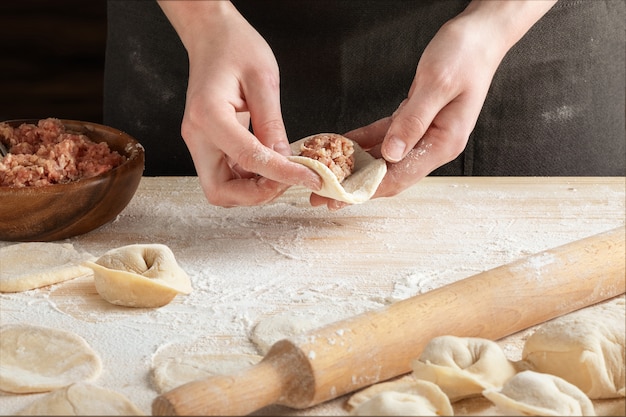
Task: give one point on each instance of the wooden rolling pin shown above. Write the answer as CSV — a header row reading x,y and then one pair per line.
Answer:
x,y
340,358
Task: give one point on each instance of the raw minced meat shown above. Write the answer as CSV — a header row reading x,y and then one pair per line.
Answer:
x,y
334,151
47,153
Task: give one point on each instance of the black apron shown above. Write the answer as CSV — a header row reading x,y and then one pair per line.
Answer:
x,y
555,107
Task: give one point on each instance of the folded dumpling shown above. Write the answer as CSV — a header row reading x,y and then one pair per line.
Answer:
x,y
531,393
463,366
586,348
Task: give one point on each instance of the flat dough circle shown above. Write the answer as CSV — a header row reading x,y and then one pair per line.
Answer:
x,y
291,323
586,348
139,276
82,399
359,187
421,397
25,266
40,359
536,394
463,366
175,372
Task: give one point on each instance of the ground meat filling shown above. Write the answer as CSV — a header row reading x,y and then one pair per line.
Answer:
x,y
46,153
334,151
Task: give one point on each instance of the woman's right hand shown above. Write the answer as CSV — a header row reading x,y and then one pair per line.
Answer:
x,y
233,81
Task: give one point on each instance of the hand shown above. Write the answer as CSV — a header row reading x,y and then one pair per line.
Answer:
x,y
432,125
233,80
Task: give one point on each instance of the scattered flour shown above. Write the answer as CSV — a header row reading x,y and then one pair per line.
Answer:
x,y
248,264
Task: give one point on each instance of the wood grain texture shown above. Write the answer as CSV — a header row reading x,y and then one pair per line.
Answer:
x,y
252,263
340,358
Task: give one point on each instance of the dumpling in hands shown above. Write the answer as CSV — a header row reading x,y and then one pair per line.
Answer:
x,y
348,172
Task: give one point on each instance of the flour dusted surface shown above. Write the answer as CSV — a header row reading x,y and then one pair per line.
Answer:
x,y
248,264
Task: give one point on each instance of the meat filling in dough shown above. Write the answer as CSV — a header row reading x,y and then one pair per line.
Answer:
x,y
348,172
332,150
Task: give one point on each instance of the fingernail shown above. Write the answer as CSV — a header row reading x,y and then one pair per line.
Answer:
x,y
394,149
336,205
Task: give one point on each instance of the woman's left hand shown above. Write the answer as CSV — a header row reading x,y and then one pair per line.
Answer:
x,y
432,125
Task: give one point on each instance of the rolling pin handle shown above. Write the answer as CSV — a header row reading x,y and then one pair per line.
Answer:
x,y
240,394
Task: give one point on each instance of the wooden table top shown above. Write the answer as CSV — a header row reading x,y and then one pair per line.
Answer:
x,y
250,263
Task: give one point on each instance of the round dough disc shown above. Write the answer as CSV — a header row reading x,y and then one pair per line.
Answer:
x,y
295,322
40,359
359,187
82,399
25,266
175,372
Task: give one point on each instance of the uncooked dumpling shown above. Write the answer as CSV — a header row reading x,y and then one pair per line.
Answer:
x,y
82,399
585,348
139,276
40,359
405,396
535,394
175,372
463,366
360,186
25,266
403,384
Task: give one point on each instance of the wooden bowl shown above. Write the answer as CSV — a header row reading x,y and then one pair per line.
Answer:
x,y
59,211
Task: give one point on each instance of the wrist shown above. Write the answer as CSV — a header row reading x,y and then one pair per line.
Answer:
x,y
191,18
504,22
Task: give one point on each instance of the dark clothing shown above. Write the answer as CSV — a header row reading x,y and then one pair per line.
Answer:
x,y
555,107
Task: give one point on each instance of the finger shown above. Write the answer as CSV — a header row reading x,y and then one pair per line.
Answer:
x,y
443,142
317,200
411,121
262,94
248,192
223,187
223,184
245,150
263,153
243,117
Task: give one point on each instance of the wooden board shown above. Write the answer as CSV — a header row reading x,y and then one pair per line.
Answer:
x,y
247,264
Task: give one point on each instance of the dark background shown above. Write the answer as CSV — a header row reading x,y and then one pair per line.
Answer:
x,y
52,59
